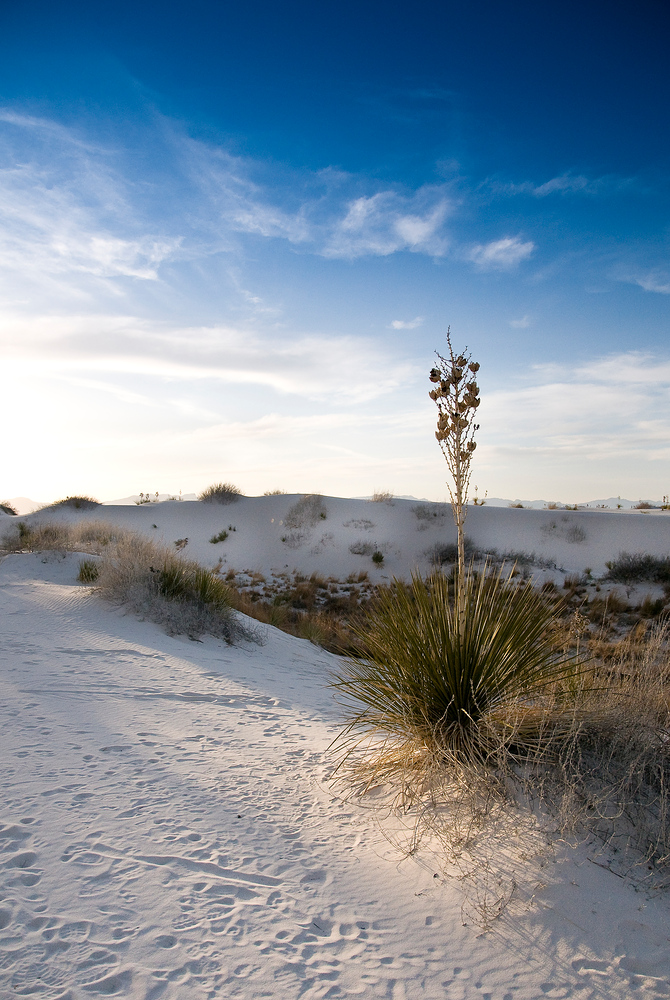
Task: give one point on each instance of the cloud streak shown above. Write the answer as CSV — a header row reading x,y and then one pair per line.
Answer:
x,y
501,255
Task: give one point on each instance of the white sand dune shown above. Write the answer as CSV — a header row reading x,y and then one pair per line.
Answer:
x,y
167,827
405,531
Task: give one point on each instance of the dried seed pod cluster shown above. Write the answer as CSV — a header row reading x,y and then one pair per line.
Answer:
x,y
456,394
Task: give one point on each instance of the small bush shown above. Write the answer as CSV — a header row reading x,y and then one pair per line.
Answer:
x,y
147,577
361,548
221,537
633,568
306,512
381,496
220,493
575,534
76,503
378,557
274,493
643,505
7,508
88,571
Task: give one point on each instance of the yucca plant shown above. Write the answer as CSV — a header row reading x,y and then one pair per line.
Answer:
x,y
432,685
456,395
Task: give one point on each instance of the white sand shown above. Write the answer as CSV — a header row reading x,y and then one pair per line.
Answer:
x,y
405,531
168,831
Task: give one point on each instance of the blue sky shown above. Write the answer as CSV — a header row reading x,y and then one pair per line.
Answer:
x,y
232,236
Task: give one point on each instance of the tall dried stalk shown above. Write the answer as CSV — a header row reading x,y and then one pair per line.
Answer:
x,y
457,397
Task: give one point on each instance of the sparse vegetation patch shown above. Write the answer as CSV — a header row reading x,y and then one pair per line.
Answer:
x,y
220,493
76,503
636,567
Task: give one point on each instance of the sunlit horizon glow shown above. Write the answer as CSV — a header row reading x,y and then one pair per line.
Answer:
x,y
230,254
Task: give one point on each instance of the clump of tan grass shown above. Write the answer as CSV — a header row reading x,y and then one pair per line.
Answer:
x,y
220,493
92,537
147,577
78,502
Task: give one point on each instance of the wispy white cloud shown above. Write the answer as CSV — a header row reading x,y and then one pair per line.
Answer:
x,y
501,255
563,184
407,324
64,210
654,281
312,367
520,324
387,222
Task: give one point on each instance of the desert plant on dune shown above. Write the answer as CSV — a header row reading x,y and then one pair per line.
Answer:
x,y
456,395
88,571
135,571
381,496
435,684
179,594
8,508
86,536
634,567
220,493
82,502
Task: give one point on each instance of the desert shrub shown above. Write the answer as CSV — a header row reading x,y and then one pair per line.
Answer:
x,y
306,512
88,571
633,568
221,537
378,557
517,506
454,688
575,534
7,508
650,607
76,503
87,536
220,493
149,578
274,493
426,512
643,505
361,548
176,593
440,555
381,496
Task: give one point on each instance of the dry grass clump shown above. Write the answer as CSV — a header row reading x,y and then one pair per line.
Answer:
x,y
325,611
306,512
220,493
612,774
86,536
8,508
637,567
149,578
76,503
381,496
180,595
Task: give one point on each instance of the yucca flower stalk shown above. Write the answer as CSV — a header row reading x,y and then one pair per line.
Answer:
x,y
456,394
